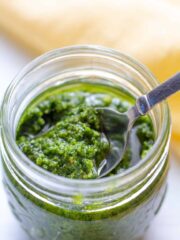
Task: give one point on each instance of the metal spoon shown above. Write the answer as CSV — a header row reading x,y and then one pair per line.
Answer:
x,y
118,125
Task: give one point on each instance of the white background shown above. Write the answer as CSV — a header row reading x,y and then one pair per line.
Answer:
x,y
166,226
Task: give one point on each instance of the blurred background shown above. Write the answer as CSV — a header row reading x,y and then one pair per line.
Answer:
x,y
148,30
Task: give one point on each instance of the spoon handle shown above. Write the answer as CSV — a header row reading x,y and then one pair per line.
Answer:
x,y
160,93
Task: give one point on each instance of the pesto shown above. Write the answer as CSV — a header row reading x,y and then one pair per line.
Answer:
x,y
63,133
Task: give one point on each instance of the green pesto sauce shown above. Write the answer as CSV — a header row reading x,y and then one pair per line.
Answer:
x,y
61,131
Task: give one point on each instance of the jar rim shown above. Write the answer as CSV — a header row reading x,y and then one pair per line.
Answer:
x,y
93,184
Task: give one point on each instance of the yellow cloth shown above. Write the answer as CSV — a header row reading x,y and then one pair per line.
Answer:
x,y
147,30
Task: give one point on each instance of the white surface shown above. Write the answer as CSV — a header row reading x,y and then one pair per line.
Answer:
x,y
166,226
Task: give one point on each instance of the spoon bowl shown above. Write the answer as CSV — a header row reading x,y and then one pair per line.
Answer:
x,y
115,125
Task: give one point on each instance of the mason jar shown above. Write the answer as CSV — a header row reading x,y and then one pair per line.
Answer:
x,y
48,206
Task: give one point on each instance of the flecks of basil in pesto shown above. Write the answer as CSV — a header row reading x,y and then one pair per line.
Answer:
x,y
63,133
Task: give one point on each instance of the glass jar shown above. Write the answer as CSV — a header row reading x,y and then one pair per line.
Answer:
x,y
48,206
